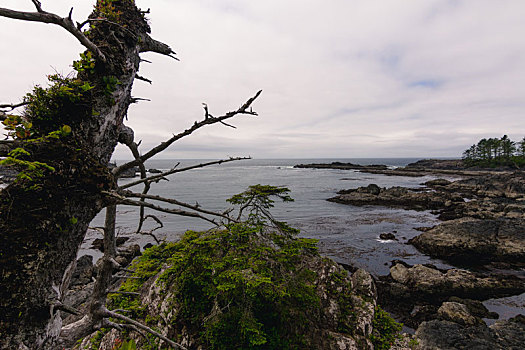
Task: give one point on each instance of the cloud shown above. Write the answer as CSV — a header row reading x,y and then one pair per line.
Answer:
x,y
359,78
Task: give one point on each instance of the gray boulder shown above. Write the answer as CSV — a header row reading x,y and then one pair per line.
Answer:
x,y
448,335
475,241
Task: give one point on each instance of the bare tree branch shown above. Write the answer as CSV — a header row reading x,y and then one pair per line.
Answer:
x,y
150,233
143,327
126,136
64,22
123,200
173,171
138,99
195,207
128,140
14,105
244,109
66,308
151,45
133,328
38,5
138,77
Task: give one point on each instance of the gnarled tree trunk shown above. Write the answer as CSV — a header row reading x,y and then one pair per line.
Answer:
x,y
43,219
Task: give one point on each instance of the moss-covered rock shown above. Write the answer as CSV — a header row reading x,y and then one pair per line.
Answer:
x,y
236,289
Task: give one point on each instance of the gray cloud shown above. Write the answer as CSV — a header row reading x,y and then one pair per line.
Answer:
x,y
341,78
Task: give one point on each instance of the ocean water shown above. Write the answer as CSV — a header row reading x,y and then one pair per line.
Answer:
x,y
348,234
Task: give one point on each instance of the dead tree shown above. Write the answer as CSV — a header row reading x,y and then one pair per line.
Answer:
x,y
63,142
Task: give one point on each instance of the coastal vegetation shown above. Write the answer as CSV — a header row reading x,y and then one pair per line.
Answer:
x,y
252,284
231,289
494,152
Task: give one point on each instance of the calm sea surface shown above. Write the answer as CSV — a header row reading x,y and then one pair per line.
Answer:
x,y
347,234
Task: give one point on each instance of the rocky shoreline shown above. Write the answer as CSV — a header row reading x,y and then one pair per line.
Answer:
x,y
417,169
483,231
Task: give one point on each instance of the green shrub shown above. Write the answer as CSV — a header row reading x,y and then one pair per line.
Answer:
x,y
385,330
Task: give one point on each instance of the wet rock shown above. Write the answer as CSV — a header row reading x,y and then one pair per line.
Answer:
x,y
83,273
482,196
474,241
387,236
421,313
453,164
98,243
448,335
475,308
414,293
364,284
343,166
433,284
508,185
372,189
458,313
437,182
511,333
398,197
154,171
127,254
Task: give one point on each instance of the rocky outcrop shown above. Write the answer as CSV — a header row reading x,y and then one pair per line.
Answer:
x,y
475,241
84,271
158,302
399,197
458,313
485,216
414,293
343,166
482,197
340,316
424,164
417,169
506,185
98,243
446,334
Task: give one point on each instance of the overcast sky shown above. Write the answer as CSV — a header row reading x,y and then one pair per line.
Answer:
x,y
340,78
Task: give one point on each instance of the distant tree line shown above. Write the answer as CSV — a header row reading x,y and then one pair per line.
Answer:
x,y
495,152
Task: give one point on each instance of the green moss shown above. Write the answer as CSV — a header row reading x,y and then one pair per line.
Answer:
x,y
65,101
106,9
94,342
386,330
